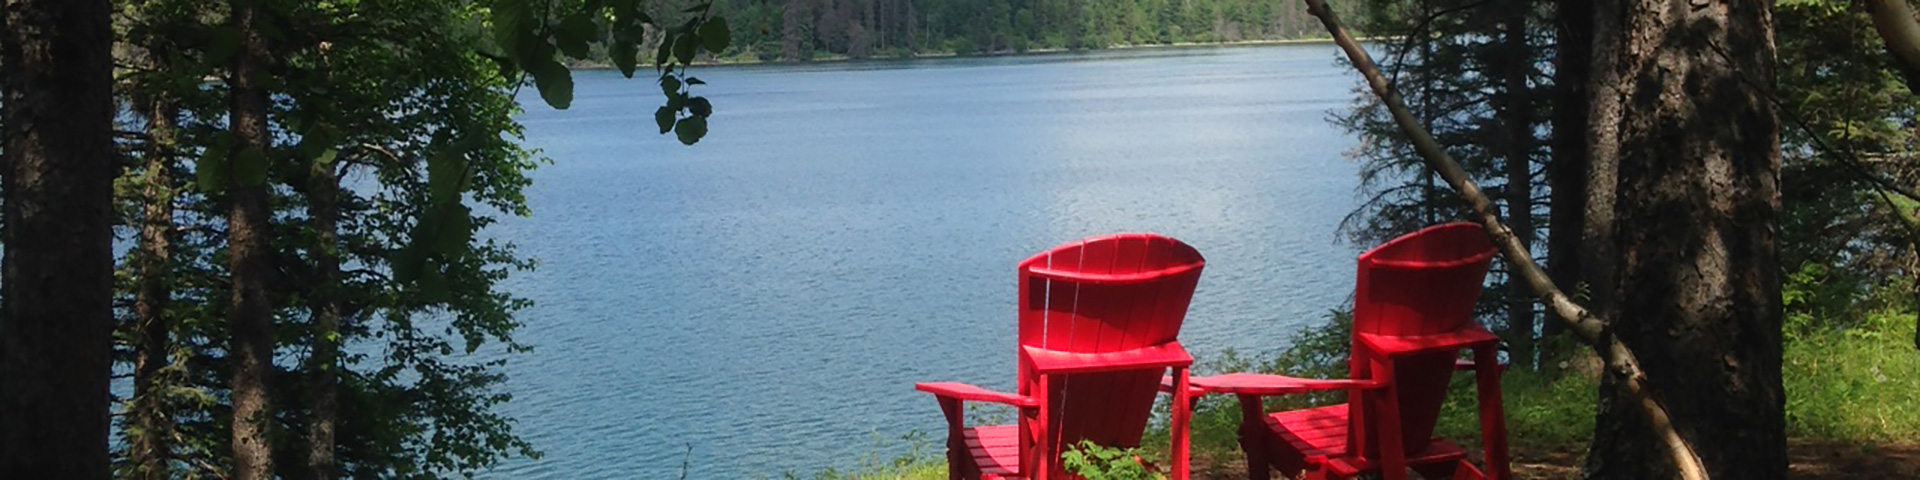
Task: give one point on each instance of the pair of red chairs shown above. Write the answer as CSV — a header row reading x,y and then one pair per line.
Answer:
x,y
1098,321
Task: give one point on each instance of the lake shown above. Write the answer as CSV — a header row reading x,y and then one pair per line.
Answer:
x,y
765,300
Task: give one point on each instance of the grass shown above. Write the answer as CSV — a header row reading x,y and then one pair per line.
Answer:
x,y
1860,384
1856,383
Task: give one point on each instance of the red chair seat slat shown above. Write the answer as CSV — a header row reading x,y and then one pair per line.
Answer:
x,y
996,449
1320,435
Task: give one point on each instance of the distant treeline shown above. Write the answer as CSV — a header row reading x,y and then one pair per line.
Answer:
x,y
806,29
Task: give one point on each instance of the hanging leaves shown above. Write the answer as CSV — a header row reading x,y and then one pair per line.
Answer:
x,y
714,34
555,83
525,43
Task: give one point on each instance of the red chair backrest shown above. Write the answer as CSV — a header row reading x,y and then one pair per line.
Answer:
x,y
1096,316
1422,283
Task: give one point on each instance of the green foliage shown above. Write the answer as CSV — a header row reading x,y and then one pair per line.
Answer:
x,y
1093,461
395,95
1840,98
917,463
1451,61
1544,410
1855,385
801,30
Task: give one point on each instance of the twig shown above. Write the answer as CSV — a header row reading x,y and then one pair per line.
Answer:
x,y
1591,330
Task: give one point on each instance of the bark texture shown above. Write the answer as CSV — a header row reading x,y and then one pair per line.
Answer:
x,y
151,445
250,321
57,276
1516,113
324,212
1691,213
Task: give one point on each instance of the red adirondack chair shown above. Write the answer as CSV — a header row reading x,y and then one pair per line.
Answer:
x,y
1412,315
1098,322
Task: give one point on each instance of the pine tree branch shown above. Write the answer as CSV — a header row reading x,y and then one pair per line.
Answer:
x,y
1591,330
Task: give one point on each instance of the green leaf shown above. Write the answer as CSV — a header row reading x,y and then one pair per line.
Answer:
x,y
623,53
326,156
512,21
630,9
211,171
669,85
666,50
699,106
408,261
250,167
698,7
664,117
433,285
446,171
685,46
453,229
555,83
573,34
690,130
676,101
695,81
714,34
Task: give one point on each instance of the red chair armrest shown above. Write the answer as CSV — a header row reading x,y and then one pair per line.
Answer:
x,y
1113,278
1259,384
1051,361
969,392
1392,345
1166,385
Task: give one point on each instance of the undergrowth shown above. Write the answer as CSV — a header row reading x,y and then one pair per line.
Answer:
x,y
1849,377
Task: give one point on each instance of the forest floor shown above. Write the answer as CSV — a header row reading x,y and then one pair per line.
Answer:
x,y
1807,460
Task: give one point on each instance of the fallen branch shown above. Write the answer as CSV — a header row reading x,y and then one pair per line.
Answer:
x,y
1590,329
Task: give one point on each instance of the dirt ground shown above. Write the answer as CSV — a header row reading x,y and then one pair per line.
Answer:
x,y
1807,461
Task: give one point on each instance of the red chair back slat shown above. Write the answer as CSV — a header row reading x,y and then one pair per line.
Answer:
x,y
1422,283
1092,316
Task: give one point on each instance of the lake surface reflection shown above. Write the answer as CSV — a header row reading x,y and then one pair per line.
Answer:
x,y
764,301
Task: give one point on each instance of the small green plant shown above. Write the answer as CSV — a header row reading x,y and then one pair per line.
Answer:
x,y
1093,461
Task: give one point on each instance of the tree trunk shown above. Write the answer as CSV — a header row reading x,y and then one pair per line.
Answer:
x,y
324,215
1573,53
1694,285
1518,116
56,282
151,449
250,342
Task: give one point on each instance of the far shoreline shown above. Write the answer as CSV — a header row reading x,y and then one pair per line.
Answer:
x,y
840,58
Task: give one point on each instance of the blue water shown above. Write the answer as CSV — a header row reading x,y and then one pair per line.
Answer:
x,y
764,301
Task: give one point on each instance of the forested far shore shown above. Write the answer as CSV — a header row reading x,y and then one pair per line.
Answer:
x,y
805,30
